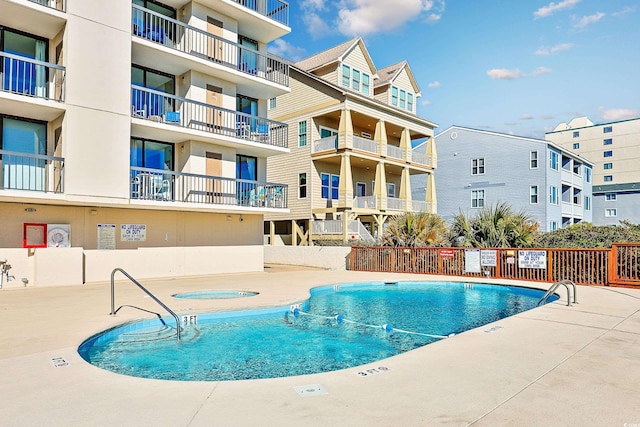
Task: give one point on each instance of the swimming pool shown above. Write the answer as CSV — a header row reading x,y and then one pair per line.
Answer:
x,y
215,294
340,326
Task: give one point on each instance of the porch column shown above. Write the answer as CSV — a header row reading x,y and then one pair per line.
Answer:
x,y
431,152
431,193
294,233
405,144
381,138
345,186
345,130
380,219
272,232
405,189
381,186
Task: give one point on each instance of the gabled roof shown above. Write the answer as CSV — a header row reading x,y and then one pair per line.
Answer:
x,y
335,54
388,74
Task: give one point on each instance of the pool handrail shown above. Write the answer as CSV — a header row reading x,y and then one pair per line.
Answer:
x,y
145,290
556,285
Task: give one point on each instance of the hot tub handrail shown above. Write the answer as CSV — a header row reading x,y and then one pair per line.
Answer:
x,y
153,297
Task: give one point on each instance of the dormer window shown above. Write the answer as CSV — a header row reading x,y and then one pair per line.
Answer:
x,y
401,98
355,79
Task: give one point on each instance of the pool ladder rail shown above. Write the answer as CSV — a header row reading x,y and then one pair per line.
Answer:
x,y
145,290
555,286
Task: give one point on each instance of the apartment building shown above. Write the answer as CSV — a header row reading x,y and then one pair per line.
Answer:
x,y
479,169
614,150
351,127
135,135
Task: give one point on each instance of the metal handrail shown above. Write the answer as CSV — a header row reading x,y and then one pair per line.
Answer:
x,y
27,171
555,286
277,10
153,297
32,77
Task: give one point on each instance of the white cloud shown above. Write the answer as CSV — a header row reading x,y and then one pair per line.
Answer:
x,y
362,17
526,117
614,114
553,49
315,25
590,19
425,102
553,7
434,85
628,9
540,71
547,117
504,74
286,50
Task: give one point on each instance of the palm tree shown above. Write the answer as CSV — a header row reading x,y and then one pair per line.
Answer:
x,y
416,229
494,227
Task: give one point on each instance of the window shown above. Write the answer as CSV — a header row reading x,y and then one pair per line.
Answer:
x,y
329,186
553,195
151,154
361,189
146,103
533,160
391,190
302,134
577,167
577,196
410,102
610,197
246,167
272,103
302,186
477,166
355,82
607,129
553,160
576,145
245,123
608,166
23,172
533,194
365,83
608,154
394,96
24,77
553,225
607,141
576,134
477,198
610,212
587,174
587,203
248,55
346,75
403,98
608,178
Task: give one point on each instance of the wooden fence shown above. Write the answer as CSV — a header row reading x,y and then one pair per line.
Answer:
x,y
618,266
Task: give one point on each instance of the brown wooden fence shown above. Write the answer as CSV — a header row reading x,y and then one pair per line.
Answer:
x,y
618,266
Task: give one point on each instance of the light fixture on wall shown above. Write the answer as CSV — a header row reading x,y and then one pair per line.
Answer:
x,y
93,212
241,218
30,210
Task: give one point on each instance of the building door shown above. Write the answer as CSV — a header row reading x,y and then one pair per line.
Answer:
x,y
214,172
214,115
214,45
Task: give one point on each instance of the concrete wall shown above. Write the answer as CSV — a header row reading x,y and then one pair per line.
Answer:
x,y
329,257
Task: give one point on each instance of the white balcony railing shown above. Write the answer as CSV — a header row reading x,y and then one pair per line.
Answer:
x,y
395,204
420,206
395,152
355,229
365,202
420,158
364,144
328,143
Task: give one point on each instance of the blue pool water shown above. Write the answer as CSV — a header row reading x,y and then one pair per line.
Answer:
x,y
339,327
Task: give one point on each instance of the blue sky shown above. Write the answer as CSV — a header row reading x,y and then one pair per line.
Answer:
x,y
510,66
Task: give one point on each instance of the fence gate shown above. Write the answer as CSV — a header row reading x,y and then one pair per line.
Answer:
x,y
624,268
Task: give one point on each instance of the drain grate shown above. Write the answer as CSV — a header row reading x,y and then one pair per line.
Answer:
x,y
310,390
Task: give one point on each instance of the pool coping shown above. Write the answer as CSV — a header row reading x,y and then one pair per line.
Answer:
x,y
554,365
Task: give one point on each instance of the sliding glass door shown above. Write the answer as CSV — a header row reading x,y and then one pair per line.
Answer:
x,y
21,141
19,76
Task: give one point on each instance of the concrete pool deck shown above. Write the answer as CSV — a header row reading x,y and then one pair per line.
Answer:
x,y
551,366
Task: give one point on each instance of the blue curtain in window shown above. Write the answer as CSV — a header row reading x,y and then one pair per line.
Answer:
x,y
20,171
335,182
325,185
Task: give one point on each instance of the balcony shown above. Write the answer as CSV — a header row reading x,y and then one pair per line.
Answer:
x,y
158,107
44,18
53,4
31,172
364,144
329,143
274,9
420,206
420,158
30,77
394,152
365,202
169,186
239,64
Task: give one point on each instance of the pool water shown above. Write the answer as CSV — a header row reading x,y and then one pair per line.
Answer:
x,y
339,327
215,294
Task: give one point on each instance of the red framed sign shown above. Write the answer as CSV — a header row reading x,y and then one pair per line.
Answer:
x,y
34,235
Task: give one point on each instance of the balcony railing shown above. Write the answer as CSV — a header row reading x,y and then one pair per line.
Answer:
x,y
355,229
420,206
275,9
395,204
169,186
153,105
176,35
364,144
328,143
395,152
53,4
420,158
32,172
365,202
26,76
